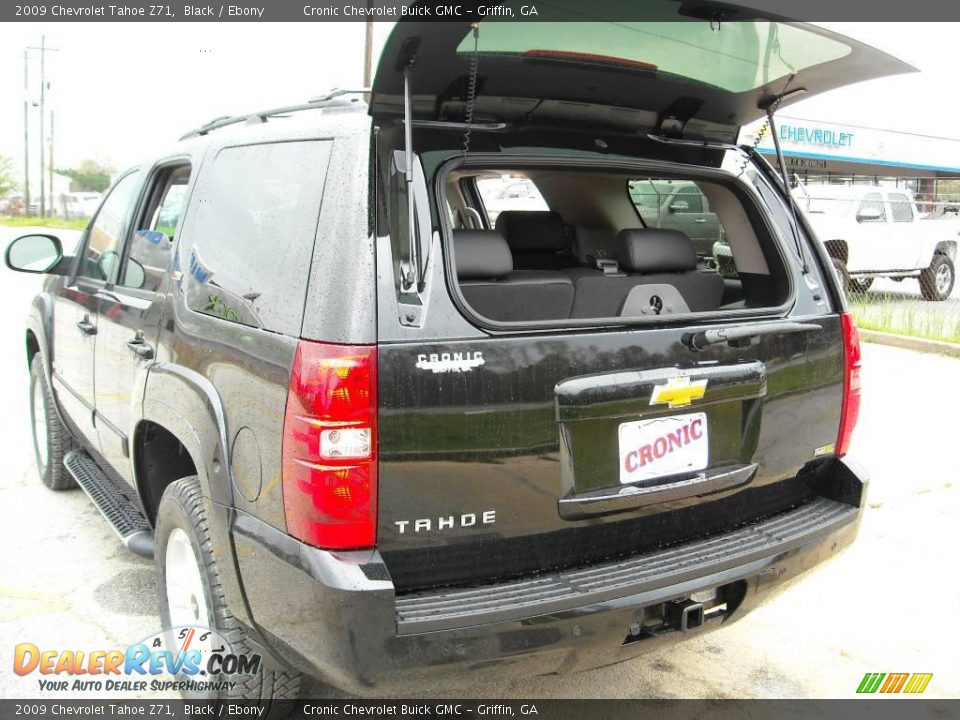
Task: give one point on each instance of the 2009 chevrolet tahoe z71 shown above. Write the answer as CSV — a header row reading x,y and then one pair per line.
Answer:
x,y
372,435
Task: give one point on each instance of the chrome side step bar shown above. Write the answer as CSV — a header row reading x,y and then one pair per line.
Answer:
x,y
120,509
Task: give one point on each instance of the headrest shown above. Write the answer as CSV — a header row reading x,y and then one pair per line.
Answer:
x,y
532,230
653,250
481,255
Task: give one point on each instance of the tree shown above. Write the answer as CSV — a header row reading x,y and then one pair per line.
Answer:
x,y
8,181
90,176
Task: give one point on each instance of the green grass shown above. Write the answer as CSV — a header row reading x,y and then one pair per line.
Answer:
x,y
78,224
926,320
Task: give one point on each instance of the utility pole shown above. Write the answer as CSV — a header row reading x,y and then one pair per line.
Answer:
x,y
53,198
368,54
43,89
43,82
26,134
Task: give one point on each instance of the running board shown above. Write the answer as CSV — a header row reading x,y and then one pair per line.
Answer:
x,y
120,510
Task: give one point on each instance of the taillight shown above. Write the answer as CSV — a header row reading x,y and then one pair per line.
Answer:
x,y
330,446
851,383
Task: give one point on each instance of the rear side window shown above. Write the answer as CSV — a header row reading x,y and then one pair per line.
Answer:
x,y
900,207
246,251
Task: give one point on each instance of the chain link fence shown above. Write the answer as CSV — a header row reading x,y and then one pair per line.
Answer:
x,y
894,247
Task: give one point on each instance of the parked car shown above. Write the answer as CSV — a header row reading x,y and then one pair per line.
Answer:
x,y
508,193
873,231
12,205
678,205
376,446
71,206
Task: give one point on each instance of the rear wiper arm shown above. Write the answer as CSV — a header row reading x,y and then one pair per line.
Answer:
x,y
705,338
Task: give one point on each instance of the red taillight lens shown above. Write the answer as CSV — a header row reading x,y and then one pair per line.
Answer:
x,y
330,446
851,383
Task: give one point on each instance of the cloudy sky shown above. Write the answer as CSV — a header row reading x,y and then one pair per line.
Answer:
x,y
123,91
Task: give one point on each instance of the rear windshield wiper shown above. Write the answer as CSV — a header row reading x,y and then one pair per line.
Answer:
x,y
736,333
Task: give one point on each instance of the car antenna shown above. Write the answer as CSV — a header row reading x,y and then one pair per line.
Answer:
x,y
472,87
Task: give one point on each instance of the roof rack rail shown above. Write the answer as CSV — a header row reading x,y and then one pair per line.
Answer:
x,y
261,116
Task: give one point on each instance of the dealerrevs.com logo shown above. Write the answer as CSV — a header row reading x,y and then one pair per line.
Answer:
x,y
190,659
893,683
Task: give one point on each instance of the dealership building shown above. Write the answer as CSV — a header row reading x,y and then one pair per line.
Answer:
x,y
825,152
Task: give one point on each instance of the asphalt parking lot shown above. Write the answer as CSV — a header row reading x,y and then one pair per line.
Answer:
x,y
889,604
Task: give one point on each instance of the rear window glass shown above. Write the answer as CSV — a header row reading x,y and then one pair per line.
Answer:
x,y
584,244
246,254
509,192
741,57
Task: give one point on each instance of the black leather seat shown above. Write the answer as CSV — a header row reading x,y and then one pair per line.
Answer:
x,y
495,290
537,239
664,260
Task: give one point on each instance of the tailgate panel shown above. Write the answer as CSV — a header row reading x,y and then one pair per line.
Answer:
x,y
526,431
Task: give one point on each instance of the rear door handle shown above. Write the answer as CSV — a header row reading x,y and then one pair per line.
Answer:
x,y
577,507
139,348
700,221
87,327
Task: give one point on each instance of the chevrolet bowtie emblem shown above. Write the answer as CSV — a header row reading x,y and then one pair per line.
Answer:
x,y
678,392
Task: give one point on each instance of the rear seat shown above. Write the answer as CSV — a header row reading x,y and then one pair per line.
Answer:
x,y
495,290
537,239
646,256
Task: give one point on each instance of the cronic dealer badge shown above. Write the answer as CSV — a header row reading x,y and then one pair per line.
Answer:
x,y
450,362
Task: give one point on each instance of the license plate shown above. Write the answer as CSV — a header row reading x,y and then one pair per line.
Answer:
x,y
663,446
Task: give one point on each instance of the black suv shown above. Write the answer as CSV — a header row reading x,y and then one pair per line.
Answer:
x,y
371,433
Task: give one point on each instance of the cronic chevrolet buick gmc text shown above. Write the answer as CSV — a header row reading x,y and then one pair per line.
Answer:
x,y
374,436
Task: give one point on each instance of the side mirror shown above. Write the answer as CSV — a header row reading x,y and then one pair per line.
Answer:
x,y
34,253
134,276
109,264
870,214
679,206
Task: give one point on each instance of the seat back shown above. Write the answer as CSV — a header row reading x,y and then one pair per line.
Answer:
x,y
496,291
537,239
647,256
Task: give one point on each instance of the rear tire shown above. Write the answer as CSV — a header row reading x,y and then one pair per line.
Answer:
x,y
51,439
182,532
936,282
860,286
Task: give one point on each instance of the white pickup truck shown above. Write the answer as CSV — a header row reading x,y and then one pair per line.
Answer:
x,y
873,231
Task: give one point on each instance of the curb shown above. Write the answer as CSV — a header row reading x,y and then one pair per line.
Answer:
x,y
906,342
